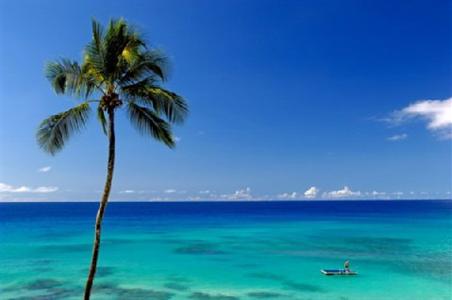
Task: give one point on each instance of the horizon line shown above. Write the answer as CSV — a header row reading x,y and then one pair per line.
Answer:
x,y
228,201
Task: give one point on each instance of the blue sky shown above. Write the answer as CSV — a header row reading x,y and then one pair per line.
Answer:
x,y
292,100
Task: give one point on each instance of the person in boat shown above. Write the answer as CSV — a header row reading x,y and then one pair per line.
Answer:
x,y
347,266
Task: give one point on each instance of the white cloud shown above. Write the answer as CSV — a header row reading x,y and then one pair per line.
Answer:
x,y
242,194
44,169
311,192
6,188
397,137
135,192
438,114
375,193
45,189
170,191
127,192
292,195
345,192
204,192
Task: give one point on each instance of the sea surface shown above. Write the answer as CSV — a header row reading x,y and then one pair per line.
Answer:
x,y
229,251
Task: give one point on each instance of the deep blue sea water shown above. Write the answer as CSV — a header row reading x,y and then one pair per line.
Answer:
x,y
229,250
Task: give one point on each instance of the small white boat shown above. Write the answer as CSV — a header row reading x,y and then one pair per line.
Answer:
x,y
338,272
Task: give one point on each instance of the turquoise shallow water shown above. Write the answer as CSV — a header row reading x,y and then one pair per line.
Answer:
x,y
229,251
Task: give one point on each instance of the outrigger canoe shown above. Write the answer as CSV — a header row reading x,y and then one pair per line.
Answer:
x,y
338,272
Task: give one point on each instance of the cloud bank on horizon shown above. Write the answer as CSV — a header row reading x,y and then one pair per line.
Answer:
x,y
10,193
345,192
6,188
311,192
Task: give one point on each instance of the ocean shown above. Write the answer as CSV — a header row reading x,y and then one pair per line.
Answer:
x,y
229,250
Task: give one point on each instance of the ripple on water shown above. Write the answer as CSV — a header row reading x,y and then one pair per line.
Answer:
x,y
437,266
65,248
361,245
130,293
288,283
47,288
207,296
264,295
52,235
101,272
199,249
178,278
41,284
176,286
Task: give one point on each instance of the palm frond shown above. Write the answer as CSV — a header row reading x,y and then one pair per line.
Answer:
x,y
151,63
171,104
147,122
113,52
162,101
54,131
93,61
132,50
154,61
97,32
115,41
66,77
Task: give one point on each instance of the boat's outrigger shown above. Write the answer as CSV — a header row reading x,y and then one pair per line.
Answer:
x,y
338,272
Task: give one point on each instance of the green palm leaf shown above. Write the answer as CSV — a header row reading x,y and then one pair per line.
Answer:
x,y
151,63
93,61
54,131
161,100
66,77
147,122
115,41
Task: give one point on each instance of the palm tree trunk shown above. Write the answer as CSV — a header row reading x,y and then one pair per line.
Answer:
x,y
103,203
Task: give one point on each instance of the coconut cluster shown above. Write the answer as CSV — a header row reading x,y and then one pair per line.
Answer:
x,y
110,101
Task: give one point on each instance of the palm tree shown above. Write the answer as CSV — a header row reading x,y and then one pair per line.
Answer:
x,y
118,70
